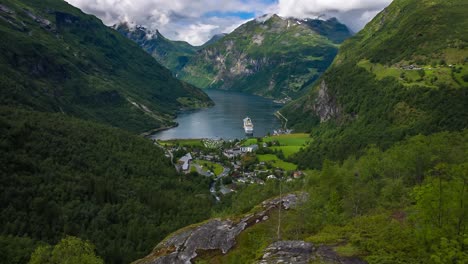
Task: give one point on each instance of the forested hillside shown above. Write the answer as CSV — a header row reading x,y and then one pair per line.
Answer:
x,y
62,176
405,73
55,58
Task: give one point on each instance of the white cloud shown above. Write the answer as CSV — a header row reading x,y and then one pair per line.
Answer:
x,y
354,13
196,21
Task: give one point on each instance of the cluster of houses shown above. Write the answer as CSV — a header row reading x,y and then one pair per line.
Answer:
x,y
230,159
238,151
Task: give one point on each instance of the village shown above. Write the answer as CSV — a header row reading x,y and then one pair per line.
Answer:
x,y
235,163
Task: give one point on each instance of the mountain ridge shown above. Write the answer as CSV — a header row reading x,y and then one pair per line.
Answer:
x,y
56,58
389,81
244,59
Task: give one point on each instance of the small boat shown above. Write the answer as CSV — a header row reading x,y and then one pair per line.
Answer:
x,y
248,125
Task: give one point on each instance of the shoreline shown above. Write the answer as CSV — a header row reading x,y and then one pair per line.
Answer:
x,y
159,129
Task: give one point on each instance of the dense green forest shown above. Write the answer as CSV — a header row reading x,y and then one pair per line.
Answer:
x,y
63,176
403,205
55,58
400,76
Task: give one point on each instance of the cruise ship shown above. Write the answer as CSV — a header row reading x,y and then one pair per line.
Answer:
x,y
248,126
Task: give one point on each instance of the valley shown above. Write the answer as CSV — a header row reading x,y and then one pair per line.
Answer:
x,y
270,56
121,145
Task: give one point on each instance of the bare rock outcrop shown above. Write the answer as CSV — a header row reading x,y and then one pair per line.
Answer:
x,y
215,234
300,252
326,106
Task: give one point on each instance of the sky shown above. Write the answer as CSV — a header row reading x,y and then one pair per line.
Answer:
x,y
196,21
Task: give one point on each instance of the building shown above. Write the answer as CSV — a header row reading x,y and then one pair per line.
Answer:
x,y
231,153
250,148
184,162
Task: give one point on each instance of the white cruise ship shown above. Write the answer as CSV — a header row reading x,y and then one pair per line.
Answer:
x,y
248,125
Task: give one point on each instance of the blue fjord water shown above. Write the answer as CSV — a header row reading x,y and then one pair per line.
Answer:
x,y
224,120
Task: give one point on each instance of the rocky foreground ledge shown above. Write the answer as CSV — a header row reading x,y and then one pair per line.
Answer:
x,y
300,252
217,234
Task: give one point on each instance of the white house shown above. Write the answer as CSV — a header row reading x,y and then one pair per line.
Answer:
x,y
185,162
250,148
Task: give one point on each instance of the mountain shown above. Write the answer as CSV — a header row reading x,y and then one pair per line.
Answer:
x,y
55,58
405,73
270,56
171,54
213,40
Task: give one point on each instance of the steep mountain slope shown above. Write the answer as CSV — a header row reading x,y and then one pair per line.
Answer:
x,y
55,58
213,40
171,54
405,73
270,56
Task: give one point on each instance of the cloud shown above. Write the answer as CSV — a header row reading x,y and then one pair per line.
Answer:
x,y
188,20
354,13
196,21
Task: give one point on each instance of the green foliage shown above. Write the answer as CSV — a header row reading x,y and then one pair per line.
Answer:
x,y
275,161
63,176
404,205
79,66
16,249
70,250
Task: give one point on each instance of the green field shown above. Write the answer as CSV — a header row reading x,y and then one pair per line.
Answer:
x,y
299,139
217,168
249,142
289,144
287,150
431,76
276,162
181,142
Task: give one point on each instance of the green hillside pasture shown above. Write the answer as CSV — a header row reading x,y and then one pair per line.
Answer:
x,y
249,142
299,139
181,142
276,162
450,75
288,150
